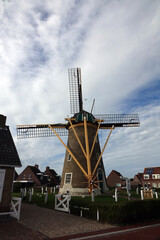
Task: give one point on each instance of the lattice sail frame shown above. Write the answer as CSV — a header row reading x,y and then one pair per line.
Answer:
x,y
75,89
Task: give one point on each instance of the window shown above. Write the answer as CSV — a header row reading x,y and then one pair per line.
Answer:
x,y
68,178
146,176
69,157
29,176
154,185
24,176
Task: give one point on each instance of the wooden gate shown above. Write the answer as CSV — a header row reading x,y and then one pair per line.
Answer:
x,y
62,202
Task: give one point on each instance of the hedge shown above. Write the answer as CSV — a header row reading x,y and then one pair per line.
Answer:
x,y
121,213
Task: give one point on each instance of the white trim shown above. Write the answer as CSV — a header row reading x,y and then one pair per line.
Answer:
x,y
2,178
65,178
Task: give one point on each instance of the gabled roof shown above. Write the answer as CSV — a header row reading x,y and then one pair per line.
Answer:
x,y
8,152
117,173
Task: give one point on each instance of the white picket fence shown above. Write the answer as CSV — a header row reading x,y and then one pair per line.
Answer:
x,y
15,208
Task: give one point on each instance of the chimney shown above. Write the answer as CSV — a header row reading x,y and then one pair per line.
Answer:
x,y
2,121
36,166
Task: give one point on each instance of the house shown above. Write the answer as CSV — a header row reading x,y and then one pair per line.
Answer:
x,y
137,181
31,176
114,179
151,177
53,177
9,159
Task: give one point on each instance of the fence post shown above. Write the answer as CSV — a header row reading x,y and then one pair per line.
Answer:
x,y
142,195
30,195
46,197
97,214
81,213
92,195
156,194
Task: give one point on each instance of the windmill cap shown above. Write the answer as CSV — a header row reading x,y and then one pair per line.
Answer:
x,y
80,116
2,120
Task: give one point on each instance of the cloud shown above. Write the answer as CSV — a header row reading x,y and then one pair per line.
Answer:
x,y
117,46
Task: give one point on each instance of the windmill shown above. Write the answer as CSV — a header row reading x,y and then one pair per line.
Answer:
x,y
83,168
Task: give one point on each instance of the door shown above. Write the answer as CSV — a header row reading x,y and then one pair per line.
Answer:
x,y
2,176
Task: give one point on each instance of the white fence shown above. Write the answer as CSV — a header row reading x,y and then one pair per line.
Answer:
x,y
62,202
15,208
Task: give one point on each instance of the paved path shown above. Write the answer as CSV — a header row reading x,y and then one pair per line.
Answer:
x,y
38,223
44,224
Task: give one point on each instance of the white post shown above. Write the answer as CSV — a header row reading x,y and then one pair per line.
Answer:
x,y
42,190
137,190
97,214
92,195
81,213
54,190
46,197
25,191
156,194
32,191
116,195
128,194
30,195
142,195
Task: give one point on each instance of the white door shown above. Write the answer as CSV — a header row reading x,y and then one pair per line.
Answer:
x,y
2,176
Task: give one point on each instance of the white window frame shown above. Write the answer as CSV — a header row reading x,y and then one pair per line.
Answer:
x,y
66,178
2,178
146,176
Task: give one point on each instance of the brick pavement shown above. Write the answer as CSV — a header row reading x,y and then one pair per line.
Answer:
x,y
54,223
38,223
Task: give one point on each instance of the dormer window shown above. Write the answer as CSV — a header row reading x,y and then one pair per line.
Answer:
x,y
146,176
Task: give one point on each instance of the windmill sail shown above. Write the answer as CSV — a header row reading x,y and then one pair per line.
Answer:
x,y
75,87
40,130
118,120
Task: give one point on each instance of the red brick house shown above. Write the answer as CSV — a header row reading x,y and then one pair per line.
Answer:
x,y
151,177
114,179
31,176
137,181
9,159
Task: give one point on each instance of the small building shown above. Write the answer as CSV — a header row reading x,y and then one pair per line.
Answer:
x,y
114,179
9,159
151,177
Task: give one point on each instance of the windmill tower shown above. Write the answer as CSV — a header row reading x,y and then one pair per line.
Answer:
x,y
83,168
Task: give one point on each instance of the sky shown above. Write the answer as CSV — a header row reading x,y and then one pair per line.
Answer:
x,y
117,46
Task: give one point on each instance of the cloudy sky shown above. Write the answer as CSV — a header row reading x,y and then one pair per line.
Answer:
x,y
117,46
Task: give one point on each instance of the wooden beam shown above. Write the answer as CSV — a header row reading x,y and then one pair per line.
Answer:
x,y
95,139
74,158
75,133
102,151
87,148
